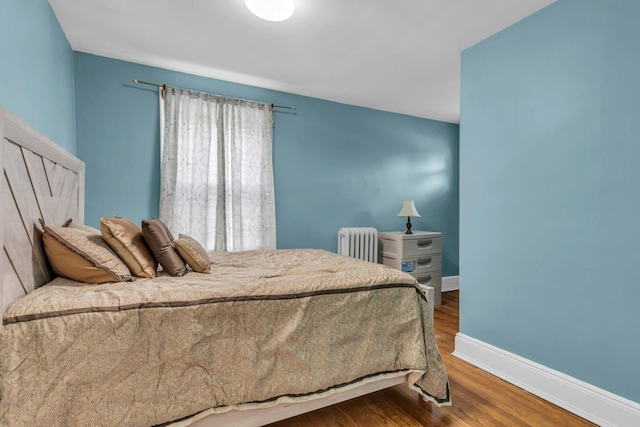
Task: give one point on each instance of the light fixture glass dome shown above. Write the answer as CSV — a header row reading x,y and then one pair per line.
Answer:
x,y
271,10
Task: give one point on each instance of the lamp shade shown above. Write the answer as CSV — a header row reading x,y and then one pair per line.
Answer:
x,y
408,209
271,10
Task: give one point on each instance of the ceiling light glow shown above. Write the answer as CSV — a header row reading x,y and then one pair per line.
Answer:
x,y
271,10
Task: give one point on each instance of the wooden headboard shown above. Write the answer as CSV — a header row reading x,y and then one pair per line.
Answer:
x,y
40,180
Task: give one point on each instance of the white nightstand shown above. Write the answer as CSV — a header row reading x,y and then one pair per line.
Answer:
x,y
419,254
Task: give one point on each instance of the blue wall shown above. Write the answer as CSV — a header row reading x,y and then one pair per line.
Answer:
x,y
549,200
335,165
36,70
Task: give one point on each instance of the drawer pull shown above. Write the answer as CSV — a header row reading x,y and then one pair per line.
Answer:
x,y
425,261
425,243
424,280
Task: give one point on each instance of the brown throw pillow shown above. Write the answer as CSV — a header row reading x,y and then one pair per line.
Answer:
x,y
193,253
80,253
125,238
160,241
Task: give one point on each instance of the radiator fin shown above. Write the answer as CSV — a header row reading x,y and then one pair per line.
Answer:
x,y
359,242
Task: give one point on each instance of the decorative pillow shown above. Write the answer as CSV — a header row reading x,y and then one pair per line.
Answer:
x,y
80,253
160,241
193,253
163,226
125,238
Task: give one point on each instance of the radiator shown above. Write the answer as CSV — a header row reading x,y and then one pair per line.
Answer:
x,y
359,242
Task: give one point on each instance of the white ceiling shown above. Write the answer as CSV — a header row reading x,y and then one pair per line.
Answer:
x,y
394,55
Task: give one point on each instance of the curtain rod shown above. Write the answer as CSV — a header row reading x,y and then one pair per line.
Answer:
x,y
164,87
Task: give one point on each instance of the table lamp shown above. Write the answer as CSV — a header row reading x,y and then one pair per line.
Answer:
x,y
408,210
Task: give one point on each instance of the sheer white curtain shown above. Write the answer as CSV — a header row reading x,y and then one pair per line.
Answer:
x,y
217,170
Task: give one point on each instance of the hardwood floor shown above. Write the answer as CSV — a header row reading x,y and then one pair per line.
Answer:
x,y
479,398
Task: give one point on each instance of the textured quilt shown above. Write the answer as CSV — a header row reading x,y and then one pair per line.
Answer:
x,y
264,325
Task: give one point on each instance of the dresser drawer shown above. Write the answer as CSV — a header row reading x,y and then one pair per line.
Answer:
x,y
430,262
416,264
409,247
421,246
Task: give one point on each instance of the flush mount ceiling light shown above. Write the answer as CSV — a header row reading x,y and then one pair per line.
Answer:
x,y
271,10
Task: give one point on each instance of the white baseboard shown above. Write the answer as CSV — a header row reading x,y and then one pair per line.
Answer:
x,y
450,283
585,400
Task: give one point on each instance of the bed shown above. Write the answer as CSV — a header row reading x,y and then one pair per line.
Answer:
x,y
268,335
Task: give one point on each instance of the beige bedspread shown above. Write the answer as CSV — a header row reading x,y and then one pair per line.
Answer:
x,y
265,324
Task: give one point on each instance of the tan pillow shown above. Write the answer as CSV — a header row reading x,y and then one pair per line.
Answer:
x,y
160,241
125,238
80,253
193,253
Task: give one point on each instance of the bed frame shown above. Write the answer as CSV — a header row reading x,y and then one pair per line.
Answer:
x,y
42,180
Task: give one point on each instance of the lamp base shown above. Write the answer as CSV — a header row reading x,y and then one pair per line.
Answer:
x,y
408,226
